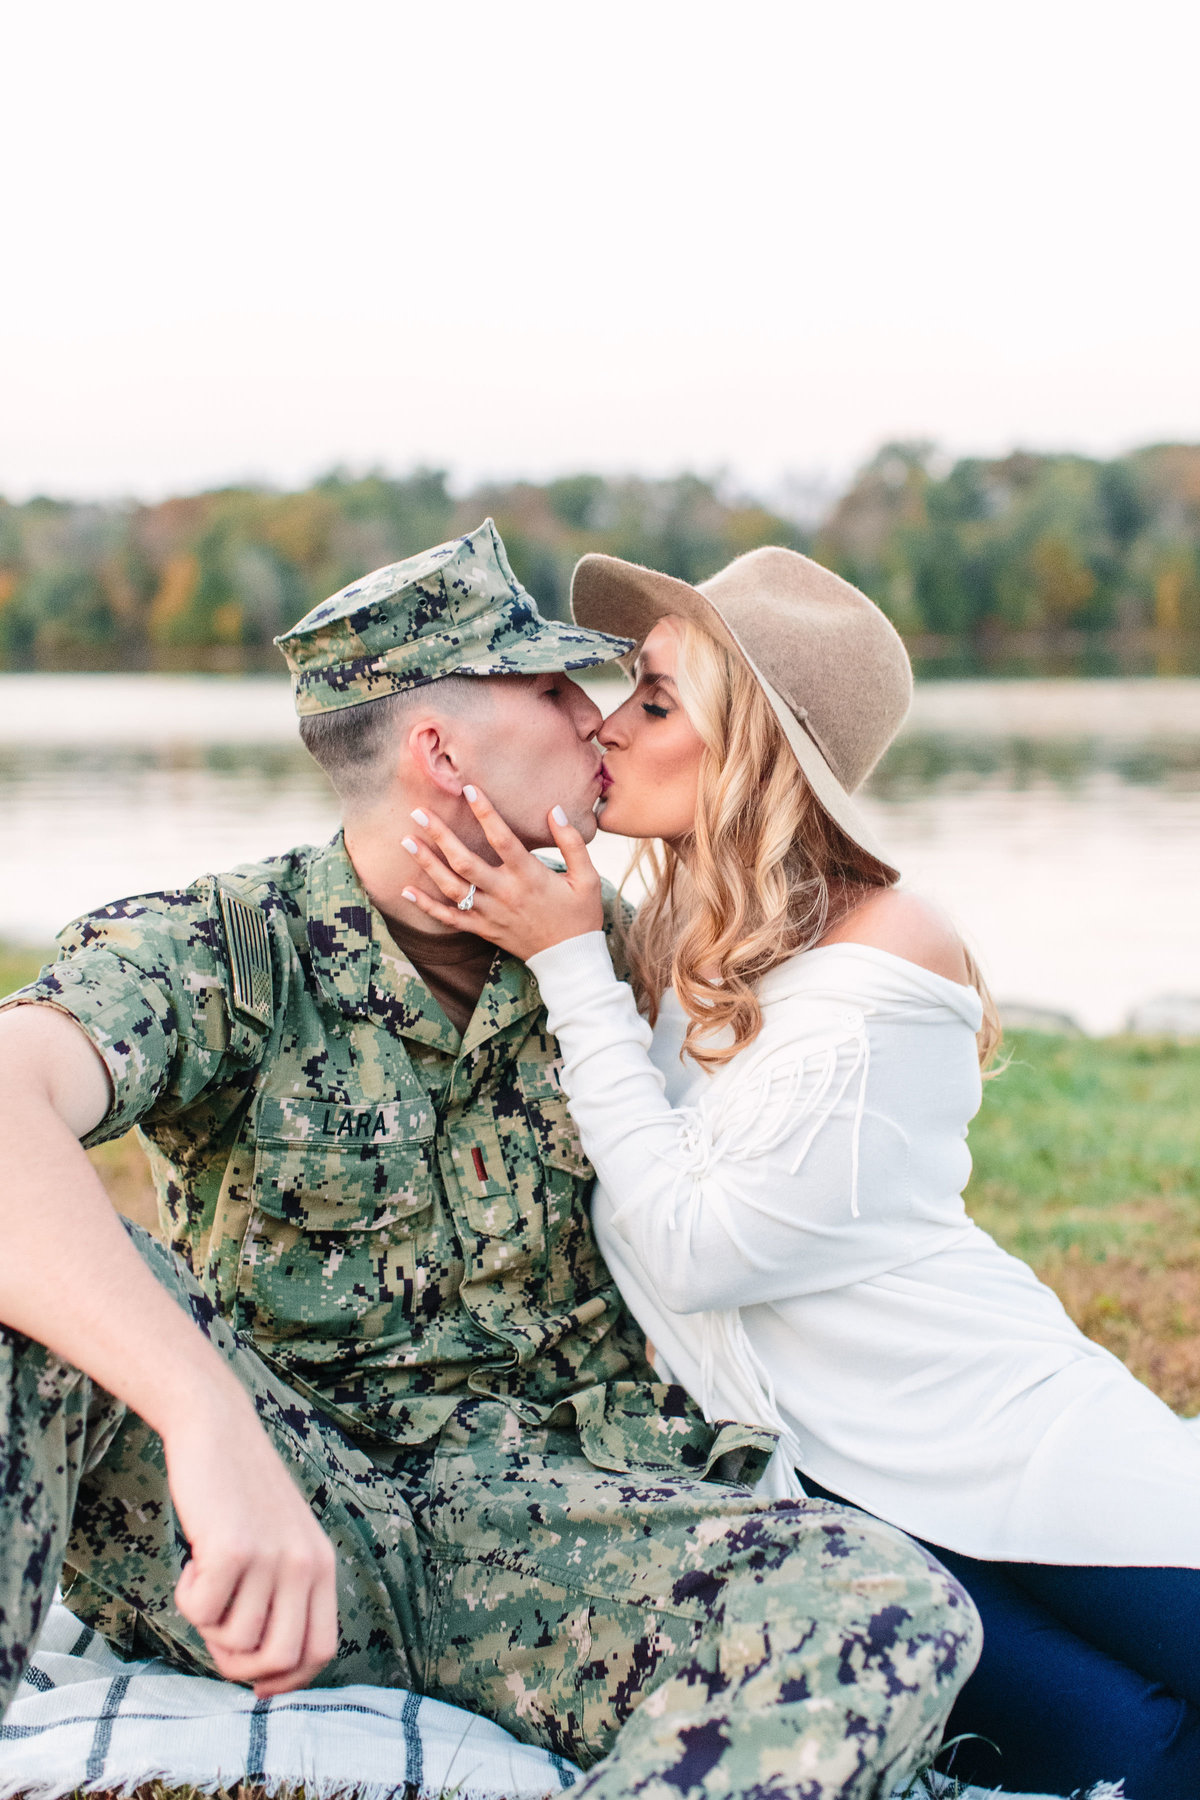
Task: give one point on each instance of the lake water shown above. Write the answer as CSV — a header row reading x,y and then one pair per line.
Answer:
x,y
1058,821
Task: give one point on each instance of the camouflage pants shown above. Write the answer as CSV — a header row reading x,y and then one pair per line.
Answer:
x,y
671,1636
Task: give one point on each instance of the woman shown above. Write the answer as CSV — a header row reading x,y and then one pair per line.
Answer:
x,y
781,1150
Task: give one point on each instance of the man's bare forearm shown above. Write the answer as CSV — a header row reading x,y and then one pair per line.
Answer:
x,y
70,1278
261,1583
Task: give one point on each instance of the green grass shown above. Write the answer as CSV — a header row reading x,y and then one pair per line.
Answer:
x,y
1087,1164
19,965
1091,1146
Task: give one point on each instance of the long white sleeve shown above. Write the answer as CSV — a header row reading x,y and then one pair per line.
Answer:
x,y
751,1195
792,1237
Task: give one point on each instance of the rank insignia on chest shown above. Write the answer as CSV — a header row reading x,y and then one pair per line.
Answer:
x,y
478,1158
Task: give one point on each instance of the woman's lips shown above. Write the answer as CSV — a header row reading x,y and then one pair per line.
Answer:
x,y
606,781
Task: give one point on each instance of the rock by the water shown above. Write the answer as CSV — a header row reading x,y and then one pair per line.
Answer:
x,y
1018,1015
1167,1015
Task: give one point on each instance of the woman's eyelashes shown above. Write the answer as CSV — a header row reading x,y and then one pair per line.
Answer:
x,y
652,703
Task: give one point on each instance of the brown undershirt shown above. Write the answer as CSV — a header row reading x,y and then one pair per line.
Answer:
x,y
453,965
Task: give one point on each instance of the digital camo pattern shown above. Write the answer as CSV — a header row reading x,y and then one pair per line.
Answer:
x,y
676,1637
672,1637
396,1218
83,1481
457,609
395,1215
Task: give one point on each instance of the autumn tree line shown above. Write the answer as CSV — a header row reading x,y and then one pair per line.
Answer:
x,y
965,557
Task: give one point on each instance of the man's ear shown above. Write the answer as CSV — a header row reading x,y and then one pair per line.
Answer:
x,y
434,752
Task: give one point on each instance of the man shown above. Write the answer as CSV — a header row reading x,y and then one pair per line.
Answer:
x,y
381,1387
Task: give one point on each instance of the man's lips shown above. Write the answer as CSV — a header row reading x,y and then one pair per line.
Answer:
x,y
604,781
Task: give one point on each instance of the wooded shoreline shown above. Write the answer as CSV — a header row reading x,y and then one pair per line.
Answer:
x,y
1023,563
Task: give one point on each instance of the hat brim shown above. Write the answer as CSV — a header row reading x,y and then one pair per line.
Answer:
x,y
553,646
627,600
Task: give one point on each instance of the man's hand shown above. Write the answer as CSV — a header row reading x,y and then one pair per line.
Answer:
x,y
261,1585
518,903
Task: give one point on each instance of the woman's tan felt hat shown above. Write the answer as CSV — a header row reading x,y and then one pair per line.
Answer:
x,y
833,668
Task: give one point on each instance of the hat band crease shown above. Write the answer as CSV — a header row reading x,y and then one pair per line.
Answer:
x,y
802,717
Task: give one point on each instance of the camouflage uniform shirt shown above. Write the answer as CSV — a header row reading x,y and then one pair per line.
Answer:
x,y
394,1215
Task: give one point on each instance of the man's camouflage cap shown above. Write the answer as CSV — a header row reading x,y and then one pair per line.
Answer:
x,y
455,610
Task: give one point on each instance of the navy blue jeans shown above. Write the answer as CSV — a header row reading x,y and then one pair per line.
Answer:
x,y
1086,1675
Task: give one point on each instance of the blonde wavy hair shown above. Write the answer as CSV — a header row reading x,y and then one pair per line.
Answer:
x,y
765,872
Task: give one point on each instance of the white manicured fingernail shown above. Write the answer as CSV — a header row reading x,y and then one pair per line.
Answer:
x,y
470,793
410,845
407,894
558,815
419,816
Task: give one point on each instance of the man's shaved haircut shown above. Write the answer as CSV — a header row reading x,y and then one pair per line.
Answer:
x,y
356,745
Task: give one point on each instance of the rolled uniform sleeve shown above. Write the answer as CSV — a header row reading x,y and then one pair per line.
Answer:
x,y
146,981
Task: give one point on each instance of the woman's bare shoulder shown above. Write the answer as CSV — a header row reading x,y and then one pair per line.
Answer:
x,y
905,925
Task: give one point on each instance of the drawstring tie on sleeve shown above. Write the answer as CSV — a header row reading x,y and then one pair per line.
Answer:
x,y
758,1115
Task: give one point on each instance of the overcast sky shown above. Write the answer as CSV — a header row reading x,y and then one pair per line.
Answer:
x,y
254,238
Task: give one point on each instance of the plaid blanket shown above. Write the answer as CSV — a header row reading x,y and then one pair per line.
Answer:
x,y
85,1719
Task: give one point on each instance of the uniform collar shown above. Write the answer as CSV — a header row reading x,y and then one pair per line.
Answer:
x,y
341,937
511,994
359,970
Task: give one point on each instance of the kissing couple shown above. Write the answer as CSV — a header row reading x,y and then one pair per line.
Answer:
x,y
717,1511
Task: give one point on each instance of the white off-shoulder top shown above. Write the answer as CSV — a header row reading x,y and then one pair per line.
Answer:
x,y
789,1231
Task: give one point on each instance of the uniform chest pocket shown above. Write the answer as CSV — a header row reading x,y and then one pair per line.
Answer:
x,y
553,1129
325,1166
509,1168
343,1208
495,1198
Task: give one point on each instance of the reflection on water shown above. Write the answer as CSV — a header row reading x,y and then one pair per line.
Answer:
x,y
1075,655
1058,822
921,761
80,829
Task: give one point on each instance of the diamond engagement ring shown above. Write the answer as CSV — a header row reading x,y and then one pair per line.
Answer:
x,y
468,899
